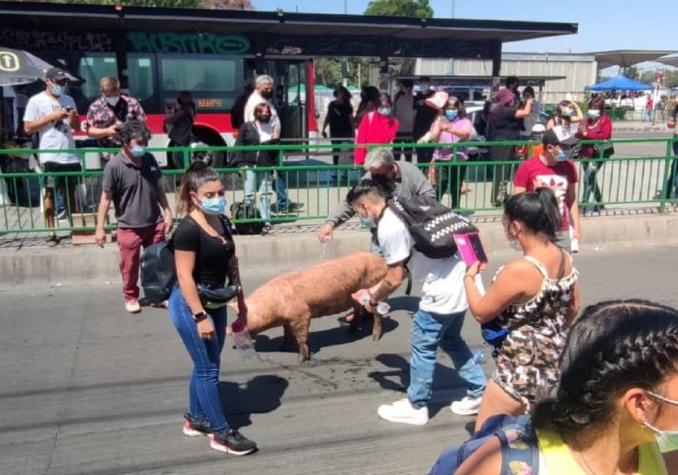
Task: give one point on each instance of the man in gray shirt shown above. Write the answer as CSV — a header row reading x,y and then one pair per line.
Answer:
x,y
401,179
132,181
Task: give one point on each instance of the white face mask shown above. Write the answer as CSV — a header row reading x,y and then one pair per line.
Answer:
x,y
112,100
667,440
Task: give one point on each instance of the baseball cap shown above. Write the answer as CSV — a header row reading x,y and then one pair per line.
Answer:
x,y
55,74
558,135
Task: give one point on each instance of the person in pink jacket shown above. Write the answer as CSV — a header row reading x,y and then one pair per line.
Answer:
x,y
597,126
376,127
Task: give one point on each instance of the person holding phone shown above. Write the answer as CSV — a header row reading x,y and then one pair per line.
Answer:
x,y
531,302
107,115
52,114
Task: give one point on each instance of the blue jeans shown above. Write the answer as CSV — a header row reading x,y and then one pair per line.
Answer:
x,y
262,180
203,389
281,191
430,330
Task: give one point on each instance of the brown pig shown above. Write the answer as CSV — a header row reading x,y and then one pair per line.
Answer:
x,y
292,299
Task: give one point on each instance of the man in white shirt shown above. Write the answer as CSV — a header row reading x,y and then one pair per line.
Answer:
x,y
440,316
262,94
52,114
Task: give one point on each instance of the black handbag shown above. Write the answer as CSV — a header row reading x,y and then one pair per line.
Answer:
x,y
606,148
216,298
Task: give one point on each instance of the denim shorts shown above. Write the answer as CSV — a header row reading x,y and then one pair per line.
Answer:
x,y
59,182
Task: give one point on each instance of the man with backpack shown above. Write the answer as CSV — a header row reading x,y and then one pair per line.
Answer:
x,y
440,316
132,181
401,179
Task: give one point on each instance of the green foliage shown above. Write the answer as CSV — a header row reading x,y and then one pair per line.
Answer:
x,y
407,8
328,71
670,77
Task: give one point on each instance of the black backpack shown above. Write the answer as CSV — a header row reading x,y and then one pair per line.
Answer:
x,y
431,224
241,210
158,273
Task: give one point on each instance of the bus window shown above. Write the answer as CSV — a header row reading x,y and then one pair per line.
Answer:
x,y
213,81
93,67
140,74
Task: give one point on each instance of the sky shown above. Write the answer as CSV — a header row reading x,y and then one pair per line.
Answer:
x,y
603,24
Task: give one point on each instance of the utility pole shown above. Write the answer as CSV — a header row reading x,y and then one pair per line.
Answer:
x,y
453,1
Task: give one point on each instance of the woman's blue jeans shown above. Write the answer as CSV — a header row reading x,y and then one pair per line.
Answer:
x,y
430,330
203,389
262,180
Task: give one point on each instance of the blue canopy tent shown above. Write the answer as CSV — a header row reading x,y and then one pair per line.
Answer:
x,y
620,83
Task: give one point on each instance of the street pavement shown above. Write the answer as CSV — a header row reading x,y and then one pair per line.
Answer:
x,y
88,389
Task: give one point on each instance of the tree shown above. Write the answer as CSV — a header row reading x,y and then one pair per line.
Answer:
x,y
408,8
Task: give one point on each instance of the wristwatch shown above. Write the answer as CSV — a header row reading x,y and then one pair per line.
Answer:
x,y
200,316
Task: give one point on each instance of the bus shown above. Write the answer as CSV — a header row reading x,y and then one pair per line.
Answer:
x,y
155,66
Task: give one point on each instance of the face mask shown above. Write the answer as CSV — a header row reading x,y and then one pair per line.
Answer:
x,y
567,112
264,118
667,440
384,111
451,114
56,89
214,206
137,151
112,100
266,94
563,156
593,114
368,222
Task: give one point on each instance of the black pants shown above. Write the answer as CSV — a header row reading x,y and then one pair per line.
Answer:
x,y
671,179
397,151
336,152
449,180
591,170
501,174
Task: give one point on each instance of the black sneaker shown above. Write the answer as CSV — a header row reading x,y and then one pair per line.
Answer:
x,y
52,241
193,428
232,442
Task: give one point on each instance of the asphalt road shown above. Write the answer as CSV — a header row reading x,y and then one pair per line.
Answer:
x,y
88,389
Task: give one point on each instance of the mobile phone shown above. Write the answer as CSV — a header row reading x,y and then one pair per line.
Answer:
x,y
470,248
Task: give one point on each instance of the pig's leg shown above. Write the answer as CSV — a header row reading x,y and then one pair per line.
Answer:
x,y
300,329
377,328
289,342
357,318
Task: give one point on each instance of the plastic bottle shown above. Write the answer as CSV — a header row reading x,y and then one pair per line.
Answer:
x,y
324,244
478,357
383,308
242,339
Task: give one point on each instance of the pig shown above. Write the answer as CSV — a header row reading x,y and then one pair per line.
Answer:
x,y
292,299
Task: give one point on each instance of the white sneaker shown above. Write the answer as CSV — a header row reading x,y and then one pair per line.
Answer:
x,y
468,406
403,411
574,245
132,306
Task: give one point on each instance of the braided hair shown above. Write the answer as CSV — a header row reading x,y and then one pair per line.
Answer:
x,y
614,346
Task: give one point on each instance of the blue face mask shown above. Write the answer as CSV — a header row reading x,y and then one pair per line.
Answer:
x,y
567,112
214,206
384,111
138,151
56,89
368,222
451,114
563,155
593,113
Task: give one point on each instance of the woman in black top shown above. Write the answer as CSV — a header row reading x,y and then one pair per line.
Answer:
x,y
205,258
257,132
506,123
340,119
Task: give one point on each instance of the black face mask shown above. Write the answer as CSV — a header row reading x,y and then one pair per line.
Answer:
x,y
263,118
266,94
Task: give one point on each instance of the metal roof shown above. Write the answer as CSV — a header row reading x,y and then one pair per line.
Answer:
x,y
627,58
78,17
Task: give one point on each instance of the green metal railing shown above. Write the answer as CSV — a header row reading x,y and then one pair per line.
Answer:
x,y
470,186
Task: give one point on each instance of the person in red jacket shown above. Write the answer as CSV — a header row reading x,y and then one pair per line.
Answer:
x,y
376,127
596,126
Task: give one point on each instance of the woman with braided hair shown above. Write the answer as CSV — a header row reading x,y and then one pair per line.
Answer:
x,y
616,407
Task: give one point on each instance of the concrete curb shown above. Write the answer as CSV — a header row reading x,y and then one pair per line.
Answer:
x,y
85,265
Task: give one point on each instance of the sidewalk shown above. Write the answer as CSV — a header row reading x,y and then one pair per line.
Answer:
x,y
291,246
639,127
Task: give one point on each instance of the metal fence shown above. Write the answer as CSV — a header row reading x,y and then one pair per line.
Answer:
x,y
303,176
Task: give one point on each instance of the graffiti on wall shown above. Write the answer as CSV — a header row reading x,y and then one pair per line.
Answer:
x,y
187,43
39,40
